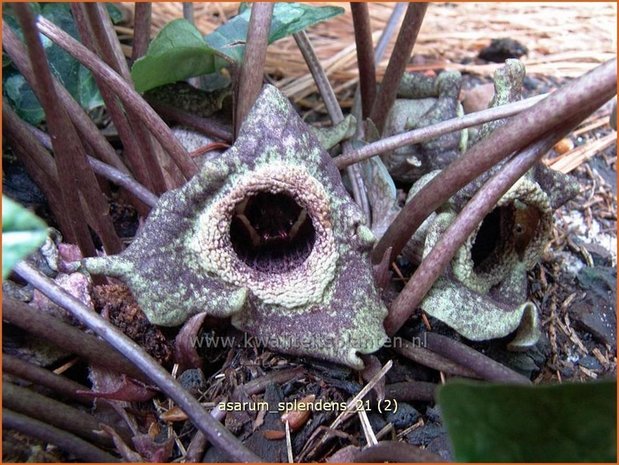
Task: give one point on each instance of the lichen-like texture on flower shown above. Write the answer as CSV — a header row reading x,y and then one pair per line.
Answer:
x,y
267,235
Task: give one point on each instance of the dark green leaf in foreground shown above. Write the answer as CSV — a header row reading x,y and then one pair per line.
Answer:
x,y
179,51
507,423
22,233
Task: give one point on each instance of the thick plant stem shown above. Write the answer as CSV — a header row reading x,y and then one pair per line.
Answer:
x,y
213,430
124,92
87,129
397,63
75,173
67,388
66,337
524,128
429,132
252,69
425,357
471,216
109,48
141,29
365,56
483,366
27,402
37,429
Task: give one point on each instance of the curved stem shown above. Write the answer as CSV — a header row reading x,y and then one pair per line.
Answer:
x,y
27,402
213,430
66,337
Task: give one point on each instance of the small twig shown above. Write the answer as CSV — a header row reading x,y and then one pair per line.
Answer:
x,y
124,92
429,132
195,449
258,385
213,430
394,451
320,77
351,406
141,29
484,366
430,359
397,63
27,402
66,337
42,377
252,69
29,426
74,173
365,56
519,132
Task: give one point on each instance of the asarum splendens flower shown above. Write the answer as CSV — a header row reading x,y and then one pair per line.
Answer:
x,y
267,235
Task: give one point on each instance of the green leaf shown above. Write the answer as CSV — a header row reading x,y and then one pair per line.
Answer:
x,y
288,18
550,423
22,98
22,233
178,52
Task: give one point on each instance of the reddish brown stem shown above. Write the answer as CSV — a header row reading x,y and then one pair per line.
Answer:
x,y
106,42
66,336
141,29
74,171
365,55
213,430
251,73
51,411
397,63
